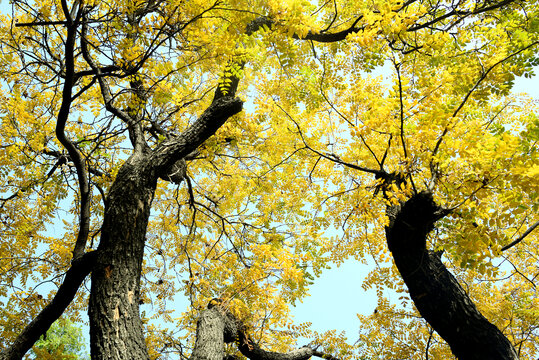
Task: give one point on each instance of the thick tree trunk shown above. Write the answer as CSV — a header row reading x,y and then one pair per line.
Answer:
x,y
115,324
441,301
209,336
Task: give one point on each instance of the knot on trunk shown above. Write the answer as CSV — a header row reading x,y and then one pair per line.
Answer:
x,y
176,173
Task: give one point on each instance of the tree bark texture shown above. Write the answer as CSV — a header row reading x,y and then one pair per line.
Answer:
x,y
209,336
437,295
115,324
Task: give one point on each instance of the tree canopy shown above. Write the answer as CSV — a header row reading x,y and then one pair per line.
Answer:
x,y
230,151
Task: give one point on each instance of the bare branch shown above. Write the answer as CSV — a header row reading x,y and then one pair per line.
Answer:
x,y
74,153
330,157
433,165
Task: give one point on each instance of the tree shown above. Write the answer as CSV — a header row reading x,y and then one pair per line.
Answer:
x,y
129,116
62,341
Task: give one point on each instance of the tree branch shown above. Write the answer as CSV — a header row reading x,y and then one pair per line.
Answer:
x,y
401,111
324,37
330,157
172,150
488,7
521,237
80,268
74,153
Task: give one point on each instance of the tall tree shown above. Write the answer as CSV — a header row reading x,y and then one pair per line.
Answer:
x,y
128,115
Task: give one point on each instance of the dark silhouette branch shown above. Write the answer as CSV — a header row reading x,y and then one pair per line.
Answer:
x,y
41,23
79,270
74,153
521,237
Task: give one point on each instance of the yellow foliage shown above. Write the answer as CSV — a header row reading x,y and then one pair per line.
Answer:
x,y
281,190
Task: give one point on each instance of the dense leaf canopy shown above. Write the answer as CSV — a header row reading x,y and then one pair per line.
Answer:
x,y
338,97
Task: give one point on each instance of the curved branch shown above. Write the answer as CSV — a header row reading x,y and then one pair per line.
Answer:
x,y
521,237
437,295
74,153
80,268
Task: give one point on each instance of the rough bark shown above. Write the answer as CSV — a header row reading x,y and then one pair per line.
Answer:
x,y
115,324
437,295
209,336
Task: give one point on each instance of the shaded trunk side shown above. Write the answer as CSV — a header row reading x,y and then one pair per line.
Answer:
x,y
437,295
115,324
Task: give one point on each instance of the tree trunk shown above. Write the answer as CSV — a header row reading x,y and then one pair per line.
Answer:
x,y
209,336
217,326
437,295
115,324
